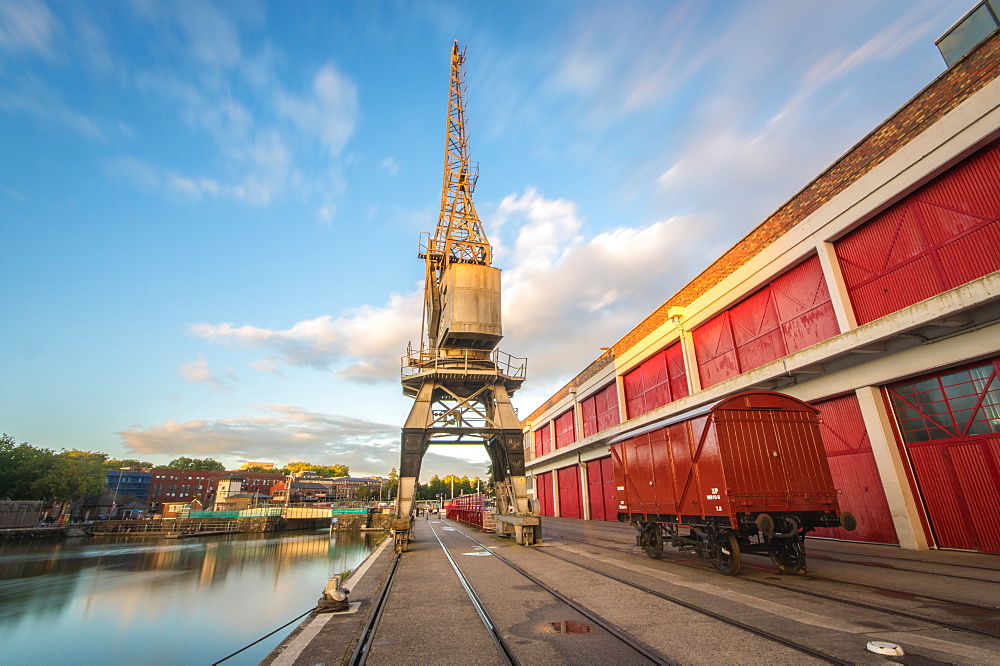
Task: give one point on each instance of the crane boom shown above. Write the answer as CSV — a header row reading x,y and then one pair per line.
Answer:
x,y
458,236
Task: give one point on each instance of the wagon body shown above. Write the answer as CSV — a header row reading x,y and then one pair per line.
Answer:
x,y
753,464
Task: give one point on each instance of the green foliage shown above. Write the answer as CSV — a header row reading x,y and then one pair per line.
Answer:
x,y
201,464
449,486
263,470
325,471
364,492
113,463
21,466
72,473
390,487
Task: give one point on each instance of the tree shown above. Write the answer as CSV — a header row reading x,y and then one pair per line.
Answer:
x,y
72,473
391,486
202,464
262,470
114,463
325,471
364,493
21,465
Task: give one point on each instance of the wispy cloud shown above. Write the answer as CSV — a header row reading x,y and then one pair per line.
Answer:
x,y
363,345
285,433
28,27
197,371
37,99
555,280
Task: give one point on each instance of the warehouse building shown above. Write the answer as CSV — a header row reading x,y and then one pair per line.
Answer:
x,y
873,294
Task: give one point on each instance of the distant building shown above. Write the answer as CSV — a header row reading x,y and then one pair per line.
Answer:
x,y
346,487
184,485
130,481
293,491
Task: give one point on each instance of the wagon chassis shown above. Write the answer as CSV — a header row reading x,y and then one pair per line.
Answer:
x,y
781,536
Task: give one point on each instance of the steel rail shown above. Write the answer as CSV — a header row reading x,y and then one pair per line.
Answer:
x,y
504,650
880,609
626,638
681,561
893,567
712,614
367,638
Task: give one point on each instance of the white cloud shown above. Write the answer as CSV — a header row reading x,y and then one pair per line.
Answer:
x,y
363,345
27,26
330,112
212,37
197,371
38,100
391,165
286,433
565,295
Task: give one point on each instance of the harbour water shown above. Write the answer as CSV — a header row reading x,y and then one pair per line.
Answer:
x,y
188,601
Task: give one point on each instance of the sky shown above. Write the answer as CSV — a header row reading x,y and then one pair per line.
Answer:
x,y
210,211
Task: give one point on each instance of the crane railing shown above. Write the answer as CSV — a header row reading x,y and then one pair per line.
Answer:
x,y
470,361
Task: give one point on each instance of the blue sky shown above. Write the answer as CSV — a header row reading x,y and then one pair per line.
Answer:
x,y
209,211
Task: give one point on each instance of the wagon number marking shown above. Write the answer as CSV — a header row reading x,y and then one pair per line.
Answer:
x,y
715,496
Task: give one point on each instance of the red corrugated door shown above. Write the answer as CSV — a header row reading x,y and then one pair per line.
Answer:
x,y
938,238
855,474
570,501
715,351
565,425
543,491
543,440
601,487
791,313
950,427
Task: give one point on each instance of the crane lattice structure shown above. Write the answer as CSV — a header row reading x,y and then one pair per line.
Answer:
x,y
461,384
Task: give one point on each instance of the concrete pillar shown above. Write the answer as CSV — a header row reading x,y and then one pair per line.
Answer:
x,y
620,390
555,494
834,277
584,489
903,502
690,362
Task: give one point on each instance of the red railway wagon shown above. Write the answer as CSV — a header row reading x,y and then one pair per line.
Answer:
x,y
747,474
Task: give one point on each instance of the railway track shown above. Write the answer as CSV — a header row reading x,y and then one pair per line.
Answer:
x,y
817,654
632,651
947,604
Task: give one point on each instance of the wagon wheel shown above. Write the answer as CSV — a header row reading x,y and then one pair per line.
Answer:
x,y
653,543
727,553
789,555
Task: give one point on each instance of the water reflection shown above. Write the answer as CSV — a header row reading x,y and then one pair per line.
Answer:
x,y
120,600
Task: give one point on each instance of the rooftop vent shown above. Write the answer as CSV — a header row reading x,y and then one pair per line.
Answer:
x,y
979,23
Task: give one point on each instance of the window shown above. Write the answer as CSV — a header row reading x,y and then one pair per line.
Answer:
x,y
959,403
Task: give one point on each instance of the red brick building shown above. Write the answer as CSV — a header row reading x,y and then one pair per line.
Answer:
x,y
183,485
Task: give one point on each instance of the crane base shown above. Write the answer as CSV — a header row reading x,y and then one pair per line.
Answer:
x,y
526,529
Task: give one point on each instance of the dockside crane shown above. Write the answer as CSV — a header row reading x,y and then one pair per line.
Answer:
x,y
460,382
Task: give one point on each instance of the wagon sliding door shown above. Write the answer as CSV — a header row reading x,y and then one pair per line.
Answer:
x,y
949,424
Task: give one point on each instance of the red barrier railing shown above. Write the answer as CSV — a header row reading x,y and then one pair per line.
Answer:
x,y
475,510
